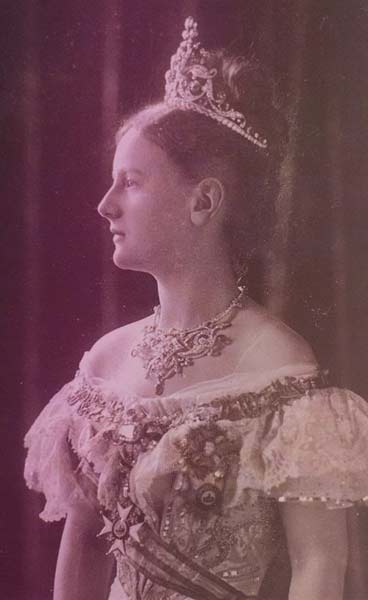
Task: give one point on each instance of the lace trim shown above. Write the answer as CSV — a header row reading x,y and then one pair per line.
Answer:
x,y
91,402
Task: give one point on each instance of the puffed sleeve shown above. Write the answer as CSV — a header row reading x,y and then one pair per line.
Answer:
x,y
287,443
53,466
314,448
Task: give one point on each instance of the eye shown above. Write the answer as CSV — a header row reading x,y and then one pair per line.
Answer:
x,y
129,182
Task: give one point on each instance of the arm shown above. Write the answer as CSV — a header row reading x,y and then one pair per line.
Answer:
x,y
317,542
83,570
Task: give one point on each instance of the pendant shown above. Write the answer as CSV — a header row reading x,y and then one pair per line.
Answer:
x,y
167,353
159,388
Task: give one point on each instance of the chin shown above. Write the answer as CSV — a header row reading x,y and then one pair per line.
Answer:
x,y
129,263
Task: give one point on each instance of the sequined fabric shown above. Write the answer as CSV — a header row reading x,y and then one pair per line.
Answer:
x,y
206,467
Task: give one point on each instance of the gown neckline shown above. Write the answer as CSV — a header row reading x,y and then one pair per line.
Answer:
x,y
262,378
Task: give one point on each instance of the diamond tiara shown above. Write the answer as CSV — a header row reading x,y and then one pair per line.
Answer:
x,y
190,86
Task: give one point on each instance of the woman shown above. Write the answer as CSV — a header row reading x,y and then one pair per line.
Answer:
x,y
203,438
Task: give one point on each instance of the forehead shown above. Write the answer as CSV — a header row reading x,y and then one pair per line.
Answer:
x,y
135,152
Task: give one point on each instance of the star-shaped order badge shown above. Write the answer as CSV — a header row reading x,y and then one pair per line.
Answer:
x,y
120,529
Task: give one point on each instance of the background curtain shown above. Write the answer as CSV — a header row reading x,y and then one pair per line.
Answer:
x,y
72,68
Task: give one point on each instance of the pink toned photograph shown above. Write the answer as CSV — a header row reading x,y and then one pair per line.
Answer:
x,y
186,315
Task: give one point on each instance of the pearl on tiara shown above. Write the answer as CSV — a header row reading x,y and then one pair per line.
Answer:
x,y
190,86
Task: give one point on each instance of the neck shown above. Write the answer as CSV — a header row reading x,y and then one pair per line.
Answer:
x,y
194,295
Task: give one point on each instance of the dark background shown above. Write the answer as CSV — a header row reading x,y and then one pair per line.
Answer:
x,y
69,70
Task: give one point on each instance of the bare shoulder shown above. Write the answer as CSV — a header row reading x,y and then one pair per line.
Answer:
x,y
275,344
110,350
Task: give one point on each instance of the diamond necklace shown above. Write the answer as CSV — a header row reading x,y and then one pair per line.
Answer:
x,y
166,353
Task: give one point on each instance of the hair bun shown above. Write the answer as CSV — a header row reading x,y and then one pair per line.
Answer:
x,y
247,81
251,90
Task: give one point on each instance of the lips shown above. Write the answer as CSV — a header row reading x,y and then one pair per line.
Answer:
x,y
118,236
117,232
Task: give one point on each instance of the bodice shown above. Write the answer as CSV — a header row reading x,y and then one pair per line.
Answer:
x,y
190,483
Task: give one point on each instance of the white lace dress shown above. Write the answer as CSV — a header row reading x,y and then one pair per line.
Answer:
x,y
189,483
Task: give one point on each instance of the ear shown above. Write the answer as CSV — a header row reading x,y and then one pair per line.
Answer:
x,y
206,200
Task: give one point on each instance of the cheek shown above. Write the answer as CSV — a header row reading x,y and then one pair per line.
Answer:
x,y
161,210
173,211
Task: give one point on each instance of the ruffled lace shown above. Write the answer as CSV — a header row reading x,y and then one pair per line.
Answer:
x,y
53,466
316,448
313,447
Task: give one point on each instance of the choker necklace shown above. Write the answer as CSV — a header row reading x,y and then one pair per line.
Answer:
x,y
167,353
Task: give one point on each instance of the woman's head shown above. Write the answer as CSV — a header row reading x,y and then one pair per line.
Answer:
x,y
200,148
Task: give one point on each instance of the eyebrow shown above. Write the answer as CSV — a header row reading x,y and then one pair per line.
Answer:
x,y
125,171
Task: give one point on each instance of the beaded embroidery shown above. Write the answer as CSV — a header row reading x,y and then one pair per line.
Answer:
x,y
92,402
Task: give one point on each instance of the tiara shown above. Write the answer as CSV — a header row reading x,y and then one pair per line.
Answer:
x,y
191,84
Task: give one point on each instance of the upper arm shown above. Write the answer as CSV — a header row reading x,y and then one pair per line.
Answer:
x,y
84,571
315,533
84,518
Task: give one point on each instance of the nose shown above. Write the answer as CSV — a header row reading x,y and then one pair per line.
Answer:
x,y
109,207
